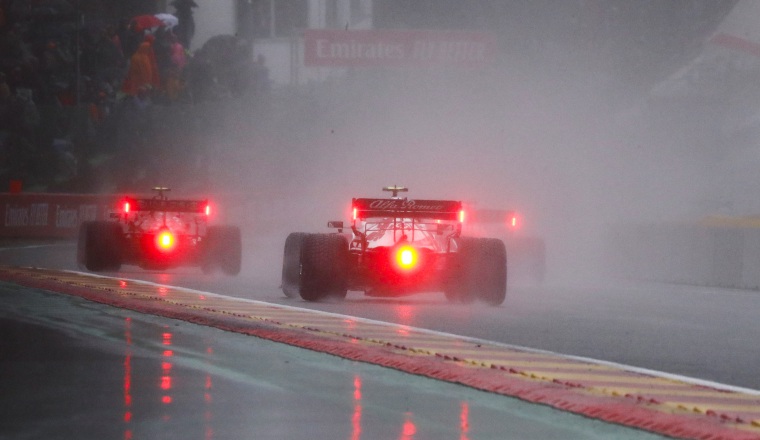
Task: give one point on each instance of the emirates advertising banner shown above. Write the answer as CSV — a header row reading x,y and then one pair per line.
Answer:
x,y
397,48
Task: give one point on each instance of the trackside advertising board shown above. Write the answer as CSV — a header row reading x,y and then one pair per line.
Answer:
x,y
27,215
397,48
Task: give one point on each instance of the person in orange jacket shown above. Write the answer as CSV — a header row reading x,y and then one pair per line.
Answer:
x,y
143,70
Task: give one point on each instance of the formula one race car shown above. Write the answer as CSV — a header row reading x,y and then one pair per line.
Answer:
x,y
397,246
158,233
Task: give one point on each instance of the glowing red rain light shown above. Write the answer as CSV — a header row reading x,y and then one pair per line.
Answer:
x,y
126,207
165,240
461,216
406,257
208,210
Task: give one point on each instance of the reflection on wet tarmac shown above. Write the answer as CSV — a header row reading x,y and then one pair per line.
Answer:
x,y
356,418
464,420
408,429
128,378
167,383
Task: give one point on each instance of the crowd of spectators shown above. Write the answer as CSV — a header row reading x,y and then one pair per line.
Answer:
x,y
77,95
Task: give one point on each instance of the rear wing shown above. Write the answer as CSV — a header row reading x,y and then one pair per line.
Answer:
x,y
507,219
407,208
503,216
164,205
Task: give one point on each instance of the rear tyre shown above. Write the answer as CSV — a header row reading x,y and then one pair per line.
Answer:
x,y
479,271
223,250
291,264
324,263
461,287
491,269
99,246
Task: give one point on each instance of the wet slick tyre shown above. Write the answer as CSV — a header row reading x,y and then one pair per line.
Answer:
x,y
291,264
479,272
461,285
491,269
324,262
99,246
223,250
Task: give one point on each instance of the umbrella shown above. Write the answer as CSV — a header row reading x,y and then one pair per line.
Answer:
x,y
169,21
143,22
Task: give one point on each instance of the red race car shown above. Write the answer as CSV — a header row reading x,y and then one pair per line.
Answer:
x,y
157,233
397,246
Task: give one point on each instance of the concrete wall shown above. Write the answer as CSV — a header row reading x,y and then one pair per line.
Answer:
x,y
687,253
212,17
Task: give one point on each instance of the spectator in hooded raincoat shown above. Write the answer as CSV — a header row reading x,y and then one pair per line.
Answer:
x,y
143,70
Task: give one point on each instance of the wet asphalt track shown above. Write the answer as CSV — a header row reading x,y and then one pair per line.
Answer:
x,y
697,332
